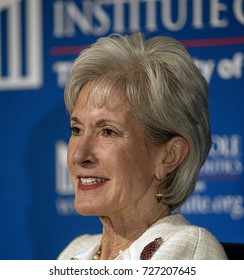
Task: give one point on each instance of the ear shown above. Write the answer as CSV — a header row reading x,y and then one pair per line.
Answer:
x,y
172,154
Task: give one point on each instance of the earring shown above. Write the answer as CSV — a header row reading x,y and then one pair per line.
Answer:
x,y
159,194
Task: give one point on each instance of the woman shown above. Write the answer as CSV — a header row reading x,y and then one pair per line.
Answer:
x,y
140,134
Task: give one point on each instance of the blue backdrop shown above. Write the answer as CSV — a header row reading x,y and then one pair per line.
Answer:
x,y
39,39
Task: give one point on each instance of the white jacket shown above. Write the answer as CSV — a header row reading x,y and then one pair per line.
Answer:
x,y
181,241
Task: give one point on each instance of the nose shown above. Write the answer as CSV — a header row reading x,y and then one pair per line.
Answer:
x,y
83,152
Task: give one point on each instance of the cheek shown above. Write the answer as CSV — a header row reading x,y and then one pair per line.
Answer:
x,y
141,165
69,154
133,164
113,160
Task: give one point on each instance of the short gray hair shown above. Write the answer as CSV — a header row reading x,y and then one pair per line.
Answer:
x,y
165,90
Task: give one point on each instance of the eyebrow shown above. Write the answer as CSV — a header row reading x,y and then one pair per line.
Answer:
x,y
74,119
100,122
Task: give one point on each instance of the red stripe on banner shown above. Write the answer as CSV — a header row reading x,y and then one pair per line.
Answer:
x,y
212,42
69,50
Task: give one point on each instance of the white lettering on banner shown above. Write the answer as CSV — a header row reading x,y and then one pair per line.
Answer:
x,y
238,8
224,161
206,67
226,146
167,14
226,68
231,68
62,68
216,7
222,167
224,158
231,205
15,76
91,17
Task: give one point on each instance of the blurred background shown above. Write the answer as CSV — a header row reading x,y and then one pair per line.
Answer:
x,y
39,39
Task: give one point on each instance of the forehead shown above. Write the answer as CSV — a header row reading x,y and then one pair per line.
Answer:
x,y
98,95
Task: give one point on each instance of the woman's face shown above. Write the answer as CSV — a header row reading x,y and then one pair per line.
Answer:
x,y
110,162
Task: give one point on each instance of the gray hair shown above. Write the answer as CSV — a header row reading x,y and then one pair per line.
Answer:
x,y
165,90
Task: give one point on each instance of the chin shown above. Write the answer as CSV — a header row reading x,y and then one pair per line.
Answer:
x,y
86,210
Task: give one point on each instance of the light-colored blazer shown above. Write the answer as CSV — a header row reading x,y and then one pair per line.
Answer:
x,y
180,241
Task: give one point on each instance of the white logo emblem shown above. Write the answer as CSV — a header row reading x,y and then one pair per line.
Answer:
x,y
23,42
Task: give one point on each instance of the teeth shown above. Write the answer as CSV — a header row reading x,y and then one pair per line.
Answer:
x,y
90,181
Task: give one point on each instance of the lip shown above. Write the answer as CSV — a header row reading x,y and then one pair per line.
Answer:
x,y
91,186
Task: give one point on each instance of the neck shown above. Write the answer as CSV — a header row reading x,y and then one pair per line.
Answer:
x,y
120,231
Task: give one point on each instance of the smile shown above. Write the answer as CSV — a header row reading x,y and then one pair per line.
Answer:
x,y
91,181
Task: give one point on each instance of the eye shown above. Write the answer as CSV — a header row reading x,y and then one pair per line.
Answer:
x,y
108,132
75,131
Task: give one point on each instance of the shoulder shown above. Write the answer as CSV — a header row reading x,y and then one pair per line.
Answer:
x,y
78,245
185,241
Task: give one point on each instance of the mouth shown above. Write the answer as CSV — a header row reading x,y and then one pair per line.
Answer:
x,y
87,183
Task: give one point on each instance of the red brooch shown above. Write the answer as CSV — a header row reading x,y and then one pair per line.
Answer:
x,y
150,249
